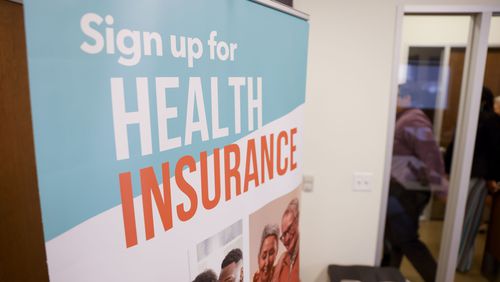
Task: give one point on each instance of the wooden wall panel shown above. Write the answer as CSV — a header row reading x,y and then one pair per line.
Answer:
x,y
22,253
492,71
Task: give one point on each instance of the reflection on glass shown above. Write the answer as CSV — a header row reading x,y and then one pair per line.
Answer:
x,y
423,72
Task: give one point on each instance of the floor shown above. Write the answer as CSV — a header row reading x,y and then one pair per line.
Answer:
x,y
430,233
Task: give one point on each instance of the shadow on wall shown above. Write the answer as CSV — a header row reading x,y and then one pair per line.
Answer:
x,y
322,276
286,2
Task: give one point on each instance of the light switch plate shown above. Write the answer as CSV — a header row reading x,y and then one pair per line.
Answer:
x,y
362,181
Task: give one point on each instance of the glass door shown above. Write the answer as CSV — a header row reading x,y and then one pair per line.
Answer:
x,y
431,76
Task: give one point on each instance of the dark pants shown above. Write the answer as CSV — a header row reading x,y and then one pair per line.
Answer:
x,y
401,231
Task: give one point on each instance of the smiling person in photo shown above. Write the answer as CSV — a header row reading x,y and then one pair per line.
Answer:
x,y
267,253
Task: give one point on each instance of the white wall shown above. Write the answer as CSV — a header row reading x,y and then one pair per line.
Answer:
x,y
436,30
495,31
347,115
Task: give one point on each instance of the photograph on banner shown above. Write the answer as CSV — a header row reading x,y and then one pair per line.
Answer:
x,y
274,240
219,257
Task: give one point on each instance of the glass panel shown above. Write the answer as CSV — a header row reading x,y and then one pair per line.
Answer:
x,y
479,253
433,52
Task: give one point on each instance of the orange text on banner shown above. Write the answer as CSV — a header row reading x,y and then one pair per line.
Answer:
x,y
281,160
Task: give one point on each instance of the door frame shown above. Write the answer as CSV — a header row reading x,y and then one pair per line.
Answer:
x,y
470,96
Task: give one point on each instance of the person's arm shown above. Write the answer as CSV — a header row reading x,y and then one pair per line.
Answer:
x,y
492,134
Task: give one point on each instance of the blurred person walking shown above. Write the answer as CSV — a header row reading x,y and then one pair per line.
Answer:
x,y
417,170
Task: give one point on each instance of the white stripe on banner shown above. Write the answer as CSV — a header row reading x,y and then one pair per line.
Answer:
x,y
95,250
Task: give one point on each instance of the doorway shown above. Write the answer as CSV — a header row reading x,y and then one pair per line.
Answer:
x,y
440,61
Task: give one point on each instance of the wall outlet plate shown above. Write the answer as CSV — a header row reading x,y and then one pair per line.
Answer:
x,y
362,181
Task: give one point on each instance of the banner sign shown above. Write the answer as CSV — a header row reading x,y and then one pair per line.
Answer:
x,y
168,137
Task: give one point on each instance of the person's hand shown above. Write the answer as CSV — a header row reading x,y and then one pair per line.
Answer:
x,y
420,173
492,186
